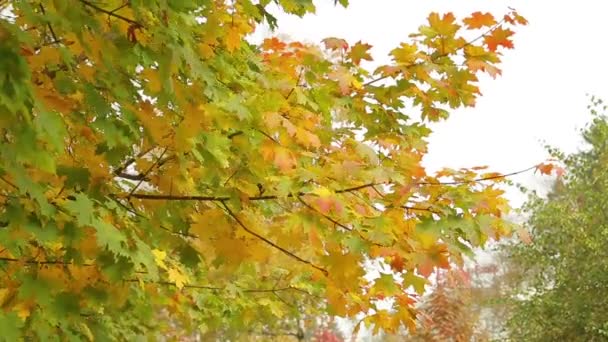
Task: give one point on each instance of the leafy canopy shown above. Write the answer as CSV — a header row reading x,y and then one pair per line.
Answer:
x,y
158,171
561,275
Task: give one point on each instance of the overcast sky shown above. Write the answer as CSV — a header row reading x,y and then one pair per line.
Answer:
x,y
541,96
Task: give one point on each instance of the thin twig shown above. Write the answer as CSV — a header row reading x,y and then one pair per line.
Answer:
x,y
270,243
477,180
156,197
297,83
110,13
434,58
44,262
147,172
55,40
132,160
9,183
324,216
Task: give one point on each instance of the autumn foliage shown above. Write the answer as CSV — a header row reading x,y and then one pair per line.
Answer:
x,y
157,171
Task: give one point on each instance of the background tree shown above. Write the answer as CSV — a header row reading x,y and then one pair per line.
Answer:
x,y
561,293
158,171
464,304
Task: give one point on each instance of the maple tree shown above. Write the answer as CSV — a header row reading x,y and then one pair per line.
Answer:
x,y
159,171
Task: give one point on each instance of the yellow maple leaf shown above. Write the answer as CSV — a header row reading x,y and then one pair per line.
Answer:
x,y
233,38
159,258
178,277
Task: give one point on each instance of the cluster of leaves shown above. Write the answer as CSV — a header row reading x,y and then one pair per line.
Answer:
x,y
157,171
561,276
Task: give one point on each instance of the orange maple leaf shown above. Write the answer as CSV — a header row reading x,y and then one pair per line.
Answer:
x,y
499,37
514,18
479,20
273,44
544,168
548,168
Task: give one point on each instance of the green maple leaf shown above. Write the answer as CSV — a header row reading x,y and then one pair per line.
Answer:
x,y
66,304
51,124
10,326
83,208
109,237
386,285
75,176
418,283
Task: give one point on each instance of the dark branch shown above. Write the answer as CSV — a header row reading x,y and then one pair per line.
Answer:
x,y
43,262
324,216
148,172
270,243
110,13
132,160
55,40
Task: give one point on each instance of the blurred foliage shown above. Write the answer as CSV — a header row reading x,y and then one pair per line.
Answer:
x,y
559,282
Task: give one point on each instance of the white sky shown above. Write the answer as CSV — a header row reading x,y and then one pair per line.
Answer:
x,y
541,96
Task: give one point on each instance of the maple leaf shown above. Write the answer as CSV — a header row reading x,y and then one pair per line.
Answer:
x,y
405,54
233,38
336,44
284,159
344,78
480,65
159,258
443,25
499,37
178,277
360,51
549,168
479,20
273,44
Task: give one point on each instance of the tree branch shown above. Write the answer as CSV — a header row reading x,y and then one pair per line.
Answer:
x,y
147,172
434,58
226,198
477,180
130,161
222,199
270,243
191,286
44,262
324,216
53,35
110,13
